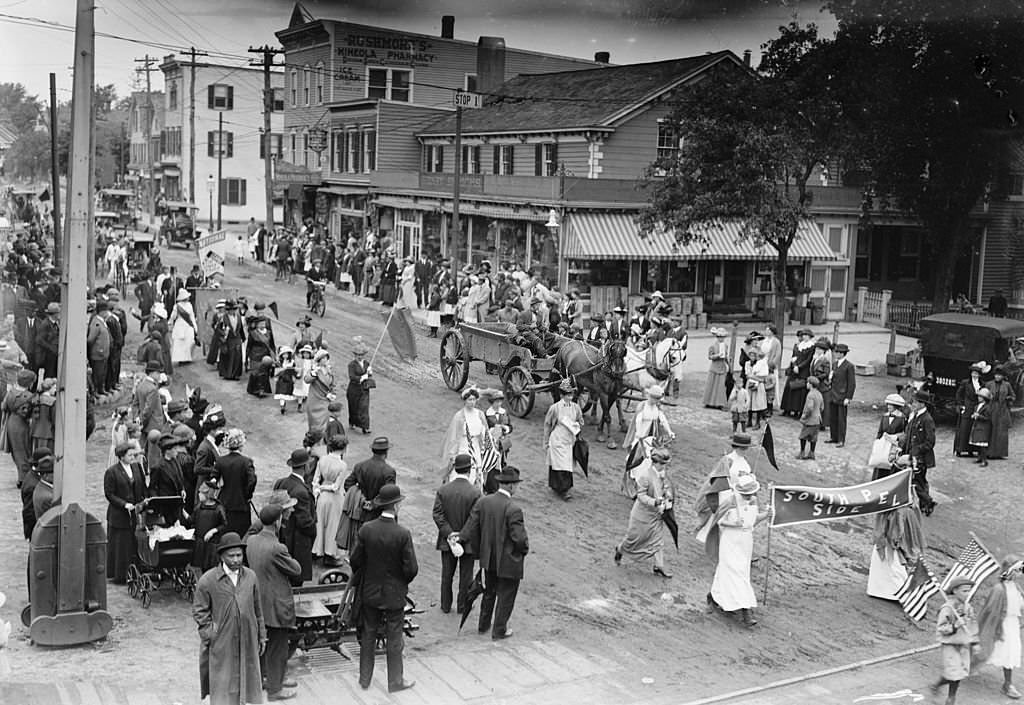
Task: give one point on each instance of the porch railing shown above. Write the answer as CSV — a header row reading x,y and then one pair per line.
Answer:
x,y
905,317
873,306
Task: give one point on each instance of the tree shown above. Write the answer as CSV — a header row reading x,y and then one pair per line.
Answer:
x,y
933,91
748,145
29,156
17,108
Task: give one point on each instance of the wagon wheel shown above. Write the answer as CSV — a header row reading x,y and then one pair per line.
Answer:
x,y
454,360
517,391
334,577
146,591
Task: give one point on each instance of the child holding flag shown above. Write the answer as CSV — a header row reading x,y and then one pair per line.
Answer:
x,y
957,629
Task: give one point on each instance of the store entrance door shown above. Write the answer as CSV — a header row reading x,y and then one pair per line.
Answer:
x,y
734,282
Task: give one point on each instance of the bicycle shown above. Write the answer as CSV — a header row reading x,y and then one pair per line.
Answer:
x,y
317,299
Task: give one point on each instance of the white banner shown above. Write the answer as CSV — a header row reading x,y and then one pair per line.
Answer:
x,y
211,249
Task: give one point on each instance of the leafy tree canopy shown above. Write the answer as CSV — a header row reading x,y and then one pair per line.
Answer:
x,y
17,108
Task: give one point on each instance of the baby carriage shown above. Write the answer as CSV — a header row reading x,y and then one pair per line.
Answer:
x,y
164,550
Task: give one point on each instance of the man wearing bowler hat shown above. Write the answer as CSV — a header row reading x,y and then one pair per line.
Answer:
x,y
919,443
229,613
385,556
371,475
275,571
497,534
48,340
452,505
844,384
299,530
147,399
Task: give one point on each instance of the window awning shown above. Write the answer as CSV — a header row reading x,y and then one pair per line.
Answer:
x,y
617,236
413,204
344,190
498,211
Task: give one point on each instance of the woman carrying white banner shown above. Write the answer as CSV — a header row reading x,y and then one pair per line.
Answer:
x,y
731,590
898,542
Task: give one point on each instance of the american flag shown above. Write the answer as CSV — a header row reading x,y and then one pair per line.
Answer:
x,y
974,563
915,592
490,458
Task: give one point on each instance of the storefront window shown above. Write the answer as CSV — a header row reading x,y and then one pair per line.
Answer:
x,y
584,275
485,237
676,276
513,242
432,234
544,252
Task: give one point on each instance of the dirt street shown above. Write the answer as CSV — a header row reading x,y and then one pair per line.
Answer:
x,y
816,616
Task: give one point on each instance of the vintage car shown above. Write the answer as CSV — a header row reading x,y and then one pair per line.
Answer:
x,y
179,223
951,342
121,202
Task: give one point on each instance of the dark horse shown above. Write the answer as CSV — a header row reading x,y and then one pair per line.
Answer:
x,y
601,375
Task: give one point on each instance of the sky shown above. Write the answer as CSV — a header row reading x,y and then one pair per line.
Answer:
x,y
631,30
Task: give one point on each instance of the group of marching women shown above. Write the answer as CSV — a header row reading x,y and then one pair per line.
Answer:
x,y
299,372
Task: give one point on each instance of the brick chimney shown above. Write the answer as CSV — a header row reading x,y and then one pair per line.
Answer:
x,y
490,63
448,27
746,57
602,57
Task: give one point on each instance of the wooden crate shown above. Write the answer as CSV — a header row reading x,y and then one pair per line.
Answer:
x,y
698,305
687,308
691,322
702,320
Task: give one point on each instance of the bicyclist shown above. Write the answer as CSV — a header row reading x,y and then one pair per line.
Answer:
x,y
313,276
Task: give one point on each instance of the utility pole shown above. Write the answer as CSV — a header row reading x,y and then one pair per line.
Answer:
x,y
220,164
58,254
268,142
456,226
193,53
147,64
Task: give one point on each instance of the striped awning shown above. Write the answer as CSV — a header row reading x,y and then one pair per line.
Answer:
x,y
617,236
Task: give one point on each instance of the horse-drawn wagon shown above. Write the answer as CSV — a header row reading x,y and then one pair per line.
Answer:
x,y
522,372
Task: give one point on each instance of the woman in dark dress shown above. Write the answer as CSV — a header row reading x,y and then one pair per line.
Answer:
x,y
795,391
359,375
1002,399
232,335
238,482
209,521
966,401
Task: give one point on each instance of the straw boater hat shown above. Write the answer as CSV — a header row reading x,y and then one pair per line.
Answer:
x,y
747,484
895,400
740,440
719,332
183,295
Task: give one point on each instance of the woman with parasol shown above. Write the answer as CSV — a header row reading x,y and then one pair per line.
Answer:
x,y
651,509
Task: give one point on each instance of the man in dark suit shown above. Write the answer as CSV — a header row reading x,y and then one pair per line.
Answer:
x,y
145,292
919,444
147,400
117,322
207,451
619,329
497,533
371,475
452,505
594,334
299,530
844,384
125,489
424,275
48,340
385,557
275,572
25,335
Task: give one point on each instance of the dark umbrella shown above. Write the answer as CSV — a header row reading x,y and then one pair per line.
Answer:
x,y
669,517
581,454
475,590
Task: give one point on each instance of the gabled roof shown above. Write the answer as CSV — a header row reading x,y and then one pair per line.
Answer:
x,y
7,136
583,99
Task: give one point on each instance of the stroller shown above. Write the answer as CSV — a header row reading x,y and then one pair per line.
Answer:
x,y
164,550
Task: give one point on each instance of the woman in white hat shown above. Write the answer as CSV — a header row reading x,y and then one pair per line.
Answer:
x,y
322,391
303,366
737,514
467,433
645,533
184,331
715,395
650,422
966,401
562,426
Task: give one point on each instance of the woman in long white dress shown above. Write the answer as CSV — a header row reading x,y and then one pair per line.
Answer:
x,y
466,433
562,426
648,429
328,488
407,298
731,590
899,542
183,329
999,625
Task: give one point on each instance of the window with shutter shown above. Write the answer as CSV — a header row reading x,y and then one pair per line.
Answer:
x,y
496,163
211,138
370,150
209,96
305,85
295,87
220,96
538,160
230,150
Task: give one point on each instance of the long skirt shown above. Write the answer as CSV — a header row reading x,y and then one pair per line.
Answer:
x,y
388,293
559,480
731,587
358,406
121,553
230,365
962,439
885,577
999,443
644,536
1006,652
351,518
182,341
328,519
714,392
793,398
214,352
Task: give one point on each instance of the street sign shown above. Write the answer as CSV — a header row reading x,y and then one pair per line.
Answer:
x,y
464,99
317,139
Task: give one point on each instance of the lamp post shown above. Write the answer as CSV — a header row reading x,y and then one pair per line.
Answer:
x,y
211,183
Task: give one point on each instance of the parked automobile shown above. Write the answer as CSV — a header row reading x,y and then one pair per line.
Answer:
x,y
179,223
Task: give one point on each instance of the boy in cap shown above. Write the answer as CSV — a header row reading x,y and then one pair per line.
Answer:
x,y
810,419
957,629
